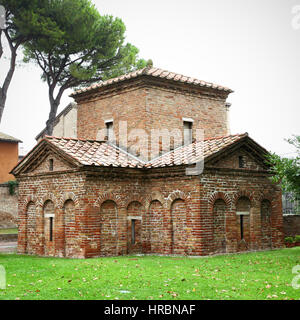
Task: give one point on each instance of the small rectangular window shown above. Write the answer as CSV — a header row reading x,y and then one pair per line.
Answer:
x,y
109,130
241,162
188,132
51,165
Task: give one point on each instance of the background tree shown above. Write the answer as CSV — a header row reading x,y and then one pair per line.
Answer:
x,y
25,20
287,170
88,48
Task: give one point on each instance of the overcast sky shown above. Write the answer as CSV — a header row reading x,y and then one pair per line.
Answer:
x,y
251,46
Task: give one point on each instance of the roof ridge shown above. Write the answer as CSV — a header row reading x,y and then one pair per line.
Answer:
x,y
151,71
76,139
229,135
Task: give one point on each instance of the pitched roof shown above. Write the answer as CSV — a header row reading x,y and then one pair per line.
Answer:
x,y
156,73
7,138
95,153
194,152
103,154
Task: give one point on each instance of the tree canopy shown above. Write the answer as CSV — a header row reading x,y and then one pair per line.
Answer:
x,y
287,170
85,48
24,20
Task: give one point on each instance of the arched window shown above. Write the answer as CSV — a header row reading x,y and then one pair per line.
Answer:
x,y
134,226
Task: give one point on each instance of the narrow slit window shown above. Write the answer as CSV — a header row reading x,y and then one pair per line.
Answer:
x,y
242,226
241,162
50,228
132,231
51,165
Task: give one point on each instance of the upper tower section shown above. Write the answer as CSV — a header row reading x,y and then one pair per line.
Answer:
x,y
148,100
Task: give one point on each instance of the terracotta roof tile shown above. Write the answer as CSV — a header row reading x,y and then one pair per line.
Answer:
x,y
101,153
154,72
192,153
98,153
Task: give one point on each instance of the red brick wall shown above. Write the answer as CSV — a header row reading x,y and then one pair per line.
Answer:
x,y
291,225
134,212
219,230
179,214
35,197
151,107
44,166
231,186
232,161
166,108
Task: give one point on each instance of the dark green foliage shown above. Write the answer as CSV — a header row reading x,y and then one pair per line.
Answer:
x,y
25,20
88,47
297,238
12,186
286,170
289,239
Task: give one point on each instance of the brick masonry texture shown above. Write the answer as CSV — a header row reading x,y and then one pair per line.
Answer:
x,y
291,225
176,214
149,107
82,211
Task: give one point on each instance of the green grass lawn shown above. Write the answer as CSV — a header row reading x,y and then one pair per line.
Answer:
x,y
262,275
8,231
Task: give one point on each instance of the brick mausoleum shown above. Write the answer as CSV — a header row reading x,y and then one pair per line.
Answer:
x,y
88,197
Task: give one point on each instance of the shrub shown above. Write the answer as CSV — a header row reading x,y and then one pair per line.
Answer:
x,y
12,186
297,238
289,239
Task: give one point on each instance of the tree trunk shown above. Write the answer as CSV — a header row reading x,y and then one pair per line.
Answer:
x,y
2,104
8,78
54,103
1,47
52,116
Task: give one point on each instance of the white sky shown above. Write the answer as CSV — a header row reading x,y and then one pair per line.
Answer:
x,y
247,45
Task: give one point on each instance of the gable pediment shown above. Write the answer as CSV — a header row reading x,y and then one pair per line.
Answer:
x,y
42,158
244,154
